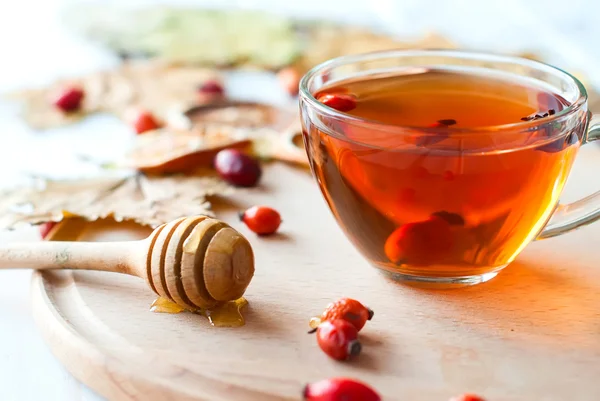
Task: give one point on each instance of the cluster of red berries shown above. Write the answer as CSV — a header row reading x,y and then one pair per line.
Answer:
x,y
239,169
70,100
337,335
338,327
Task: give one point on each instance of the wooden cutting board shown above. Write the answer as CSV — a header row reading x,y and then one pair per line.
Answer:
x,y
532,333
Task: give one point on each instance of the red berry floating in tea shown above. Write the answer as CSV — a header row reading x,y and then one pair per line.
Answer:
x,y
237,168
339,389
338,101
262,220
69,99
338,339
420,243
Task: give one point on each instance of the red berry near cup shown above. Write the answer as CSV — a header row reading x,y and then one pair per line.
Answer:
x,y
289,79
237,168
262,220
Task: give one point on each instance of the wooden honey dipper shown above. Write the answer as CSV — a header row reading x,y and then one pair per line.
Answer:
x,y
196,262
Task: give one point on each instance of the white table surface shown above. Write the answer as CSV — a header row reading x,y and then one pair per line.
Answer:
x,y
34,49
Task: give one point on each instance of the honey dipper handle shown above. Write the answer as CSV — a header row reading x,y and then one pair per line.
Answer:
x,y
121,257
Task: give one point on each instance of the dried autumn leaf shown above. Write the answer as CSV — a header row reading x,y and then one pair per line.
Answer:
x,y
240,114
210,128
275,133
167,150
146,200
159,88
176,151
286,145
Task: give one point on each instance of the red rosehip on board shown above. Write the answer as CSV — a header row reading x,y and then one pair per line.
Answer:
x,y
348,309
338,339
45,228
467,397
237,168
289,79
339,389
338,101
263,220
209,91
69,99
143,121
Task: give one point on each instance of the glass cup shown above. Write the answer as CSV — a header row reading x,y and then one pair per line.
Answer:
x,y
455,211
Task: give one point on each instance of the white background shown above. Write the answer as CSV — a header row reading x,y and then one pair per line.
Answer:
x,y
34,49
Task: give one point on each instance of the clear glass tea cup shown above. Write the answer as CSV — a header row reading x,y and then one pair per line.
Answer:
x,y
503,194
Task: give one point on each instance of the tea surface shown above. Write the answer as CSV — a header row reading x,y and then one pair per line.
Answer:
x,y
472,100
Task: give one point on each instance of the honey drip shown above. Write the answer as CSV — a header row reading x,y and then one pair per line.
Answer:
x,y
226,315
163,305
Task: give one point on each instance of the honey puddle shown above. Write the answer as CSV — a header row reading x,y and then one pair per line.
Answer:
x,y
163,305
226,315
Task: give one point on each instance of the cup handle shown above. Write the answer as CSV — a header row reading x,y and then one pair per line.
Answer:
x,y
579,213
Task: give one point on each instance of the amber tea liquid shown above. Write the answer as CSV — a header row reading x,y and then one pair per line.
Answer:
x,y
436,194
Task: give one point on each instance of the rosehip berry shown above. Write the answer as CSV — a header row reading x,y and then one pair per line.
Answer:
x,y
448,122
69,99
289,78
45,228
210,90
467,397
339,389
143,121
263,220
350,310
340,102
448,175
338,339
237,168
420,243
